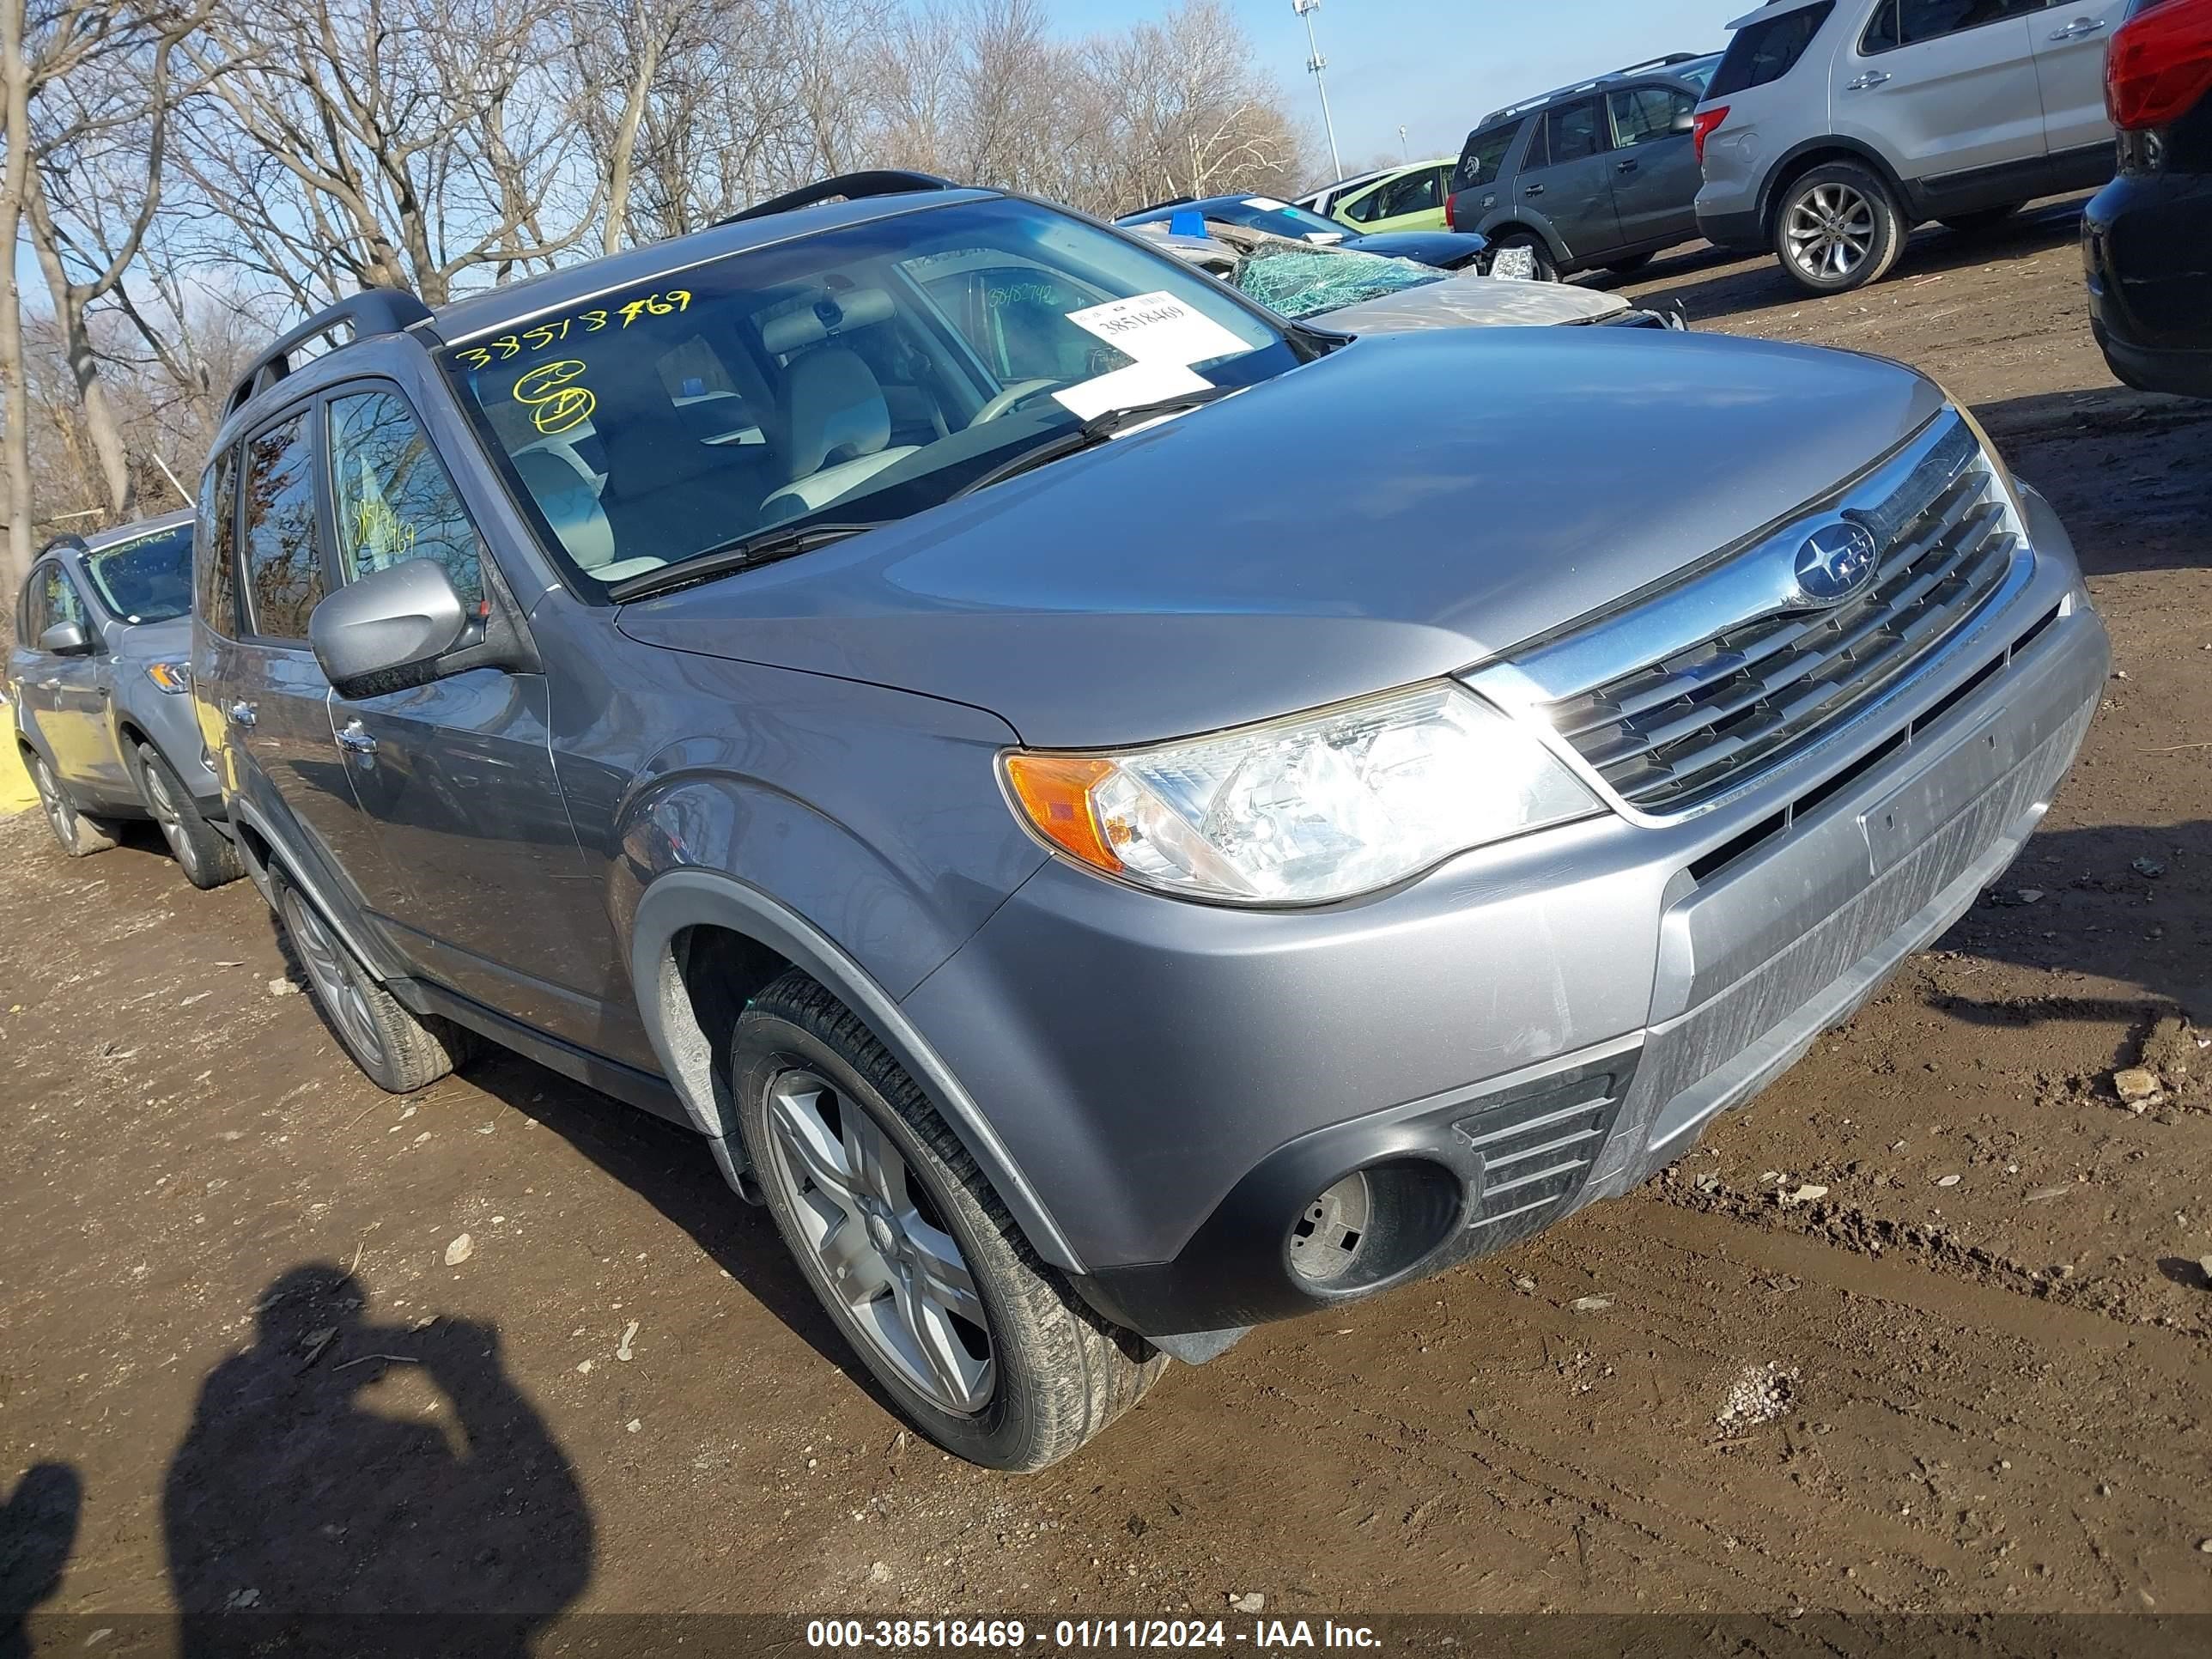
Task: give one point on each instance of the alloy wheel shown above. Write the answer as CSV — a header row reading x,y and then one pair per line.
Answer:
x,y
323,958
1831,231
893,1268
163,805
50,800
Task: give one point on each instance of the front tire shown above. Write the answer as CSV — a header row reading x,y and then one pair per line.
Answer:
x,y
983,1349
1837,228
78,834
400,1052
206,854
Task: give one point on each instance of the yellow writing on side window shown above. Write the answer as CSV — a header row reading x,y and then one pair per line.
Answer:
x,y
538,338
380,539
556,402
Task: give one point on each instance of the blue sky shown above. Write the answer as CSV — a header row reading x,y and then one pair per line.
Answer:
x,y
1439,66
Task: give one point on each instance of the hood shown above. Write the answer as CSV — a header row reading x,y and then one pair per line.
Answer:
x,y
152,642
1473,303
1447,250
1401,508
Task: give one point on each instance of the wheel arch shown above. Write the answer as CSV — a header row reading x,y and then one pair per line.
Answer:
x,y
702,943
1795,163
267,859
1513,223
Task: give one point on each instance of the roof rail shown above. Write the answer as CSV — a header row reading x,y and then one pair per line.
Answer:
x,y
372,311
852,186
1648,67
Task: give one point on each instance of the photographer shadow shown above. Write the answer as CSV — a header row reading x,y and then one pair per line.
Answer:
x,y
38,1529
349,1487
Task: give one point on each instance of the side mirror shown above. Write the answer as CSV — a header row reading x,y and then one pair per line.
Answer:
x,y
65,639
389,630
1687,122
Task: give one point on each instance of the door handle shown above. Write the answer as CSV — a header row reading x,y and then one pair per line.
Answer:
x,y
241,713
2078,28
1625,166
50,685
354,736
1532,190
1868,82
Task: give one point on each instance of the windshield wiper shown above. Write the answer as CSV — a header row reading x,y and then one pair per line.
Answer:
x,y
760,547
1095,431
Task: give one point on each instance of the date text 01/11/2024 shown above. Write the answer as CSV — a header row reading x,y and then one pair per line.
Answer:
x,y
1084,1635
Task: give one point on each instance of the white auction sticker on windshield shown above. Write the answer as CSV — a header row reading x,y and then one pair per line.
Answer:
x,y
1158,328
1140,383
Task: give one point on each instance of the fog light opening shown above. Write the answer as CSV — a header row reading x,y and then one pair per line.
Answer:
x,y
1372,1226
1325,1240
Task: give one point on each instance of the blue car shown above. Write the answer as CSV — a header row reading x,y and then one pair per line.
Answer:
x,y
1447,250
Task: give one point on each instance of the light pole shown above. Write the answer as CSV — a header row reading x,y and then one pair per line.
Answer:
x,y
1315,65
1404,155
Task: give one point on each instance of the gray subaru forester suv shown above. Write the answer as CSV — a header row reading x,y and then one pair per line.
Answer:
x,y
870,682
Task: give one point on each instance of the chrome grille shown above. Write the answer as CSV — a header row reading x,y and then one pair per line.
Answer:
x,y
1703,719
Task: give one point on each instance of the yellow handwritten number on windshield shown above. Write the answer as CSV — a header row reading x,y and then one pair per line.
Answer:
x,y
557,404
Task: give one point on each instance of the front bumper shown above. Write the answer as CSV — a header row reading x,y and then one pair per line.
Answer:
x,y
1547,1022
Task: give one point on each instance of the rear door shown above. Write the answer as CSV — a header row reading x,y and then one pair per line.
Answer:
x,y
480,884
2070,37
1655,168
1942,87
1568,178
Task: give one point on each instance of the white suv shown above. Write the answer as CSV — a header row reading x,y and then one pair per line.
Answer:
x,y
1833,127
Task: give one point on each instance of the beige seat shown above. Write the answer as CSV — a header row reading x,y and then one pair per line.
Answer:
x,y
834,432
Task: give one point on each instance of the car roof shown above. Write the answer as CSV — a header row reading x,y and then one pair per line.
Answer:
x,y
1658,70
510,302
120,533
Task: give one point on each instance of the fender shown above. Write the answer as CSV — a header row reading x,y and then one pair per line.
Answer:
x,y
1510,220
244,815
1829,144
692,897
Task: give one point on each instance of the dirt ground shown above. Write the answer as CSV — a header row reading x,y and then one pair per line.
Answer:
x,y
237,1370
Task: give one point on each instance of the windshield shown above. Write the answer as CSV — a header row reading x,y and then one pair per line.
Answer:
x,y
1280,219
1298,281
147,579
856,376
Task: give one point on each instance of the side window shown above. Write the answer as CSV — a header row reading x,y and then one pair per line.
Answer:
x,y
283,577
1766,50
390,498
1485,156
59,600
1644,115
217,546
1369,208
1572,131
40,606
1908,22
1414,193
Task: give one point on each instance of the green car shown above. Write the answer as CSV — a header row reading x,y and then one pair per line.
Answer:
x,y
1410,198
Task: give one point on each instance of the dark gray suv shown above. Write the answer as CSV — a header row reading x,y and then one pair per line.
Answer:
x,y
1604,173
870,682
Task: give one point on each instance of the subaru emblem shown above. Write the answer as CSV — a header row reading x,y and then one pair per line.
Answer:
x,y
1838,561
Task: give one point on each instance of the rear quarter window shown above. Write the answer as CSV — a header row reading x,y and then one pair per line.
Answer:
x,y
1480,162
1766,50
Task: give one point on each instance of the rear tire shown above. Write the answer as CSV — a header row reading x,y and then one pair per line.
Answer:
x,y
399,1052
981,1347
1984,219
1546,270
80,834
206,854
1838,227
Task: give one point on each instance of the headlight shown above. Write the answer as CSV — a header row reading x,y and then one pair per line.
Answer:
x,y
175,676
1302,811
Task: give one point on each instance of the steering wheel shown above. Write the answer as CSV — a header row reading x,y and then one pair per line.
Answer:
x,y
1019,392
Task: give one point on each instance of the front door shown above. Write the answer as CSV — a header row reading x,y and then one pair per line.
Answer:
x,y
1655,168
1568,178
480,884
1942,87
73,708
1411,201
2071,39
274,702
